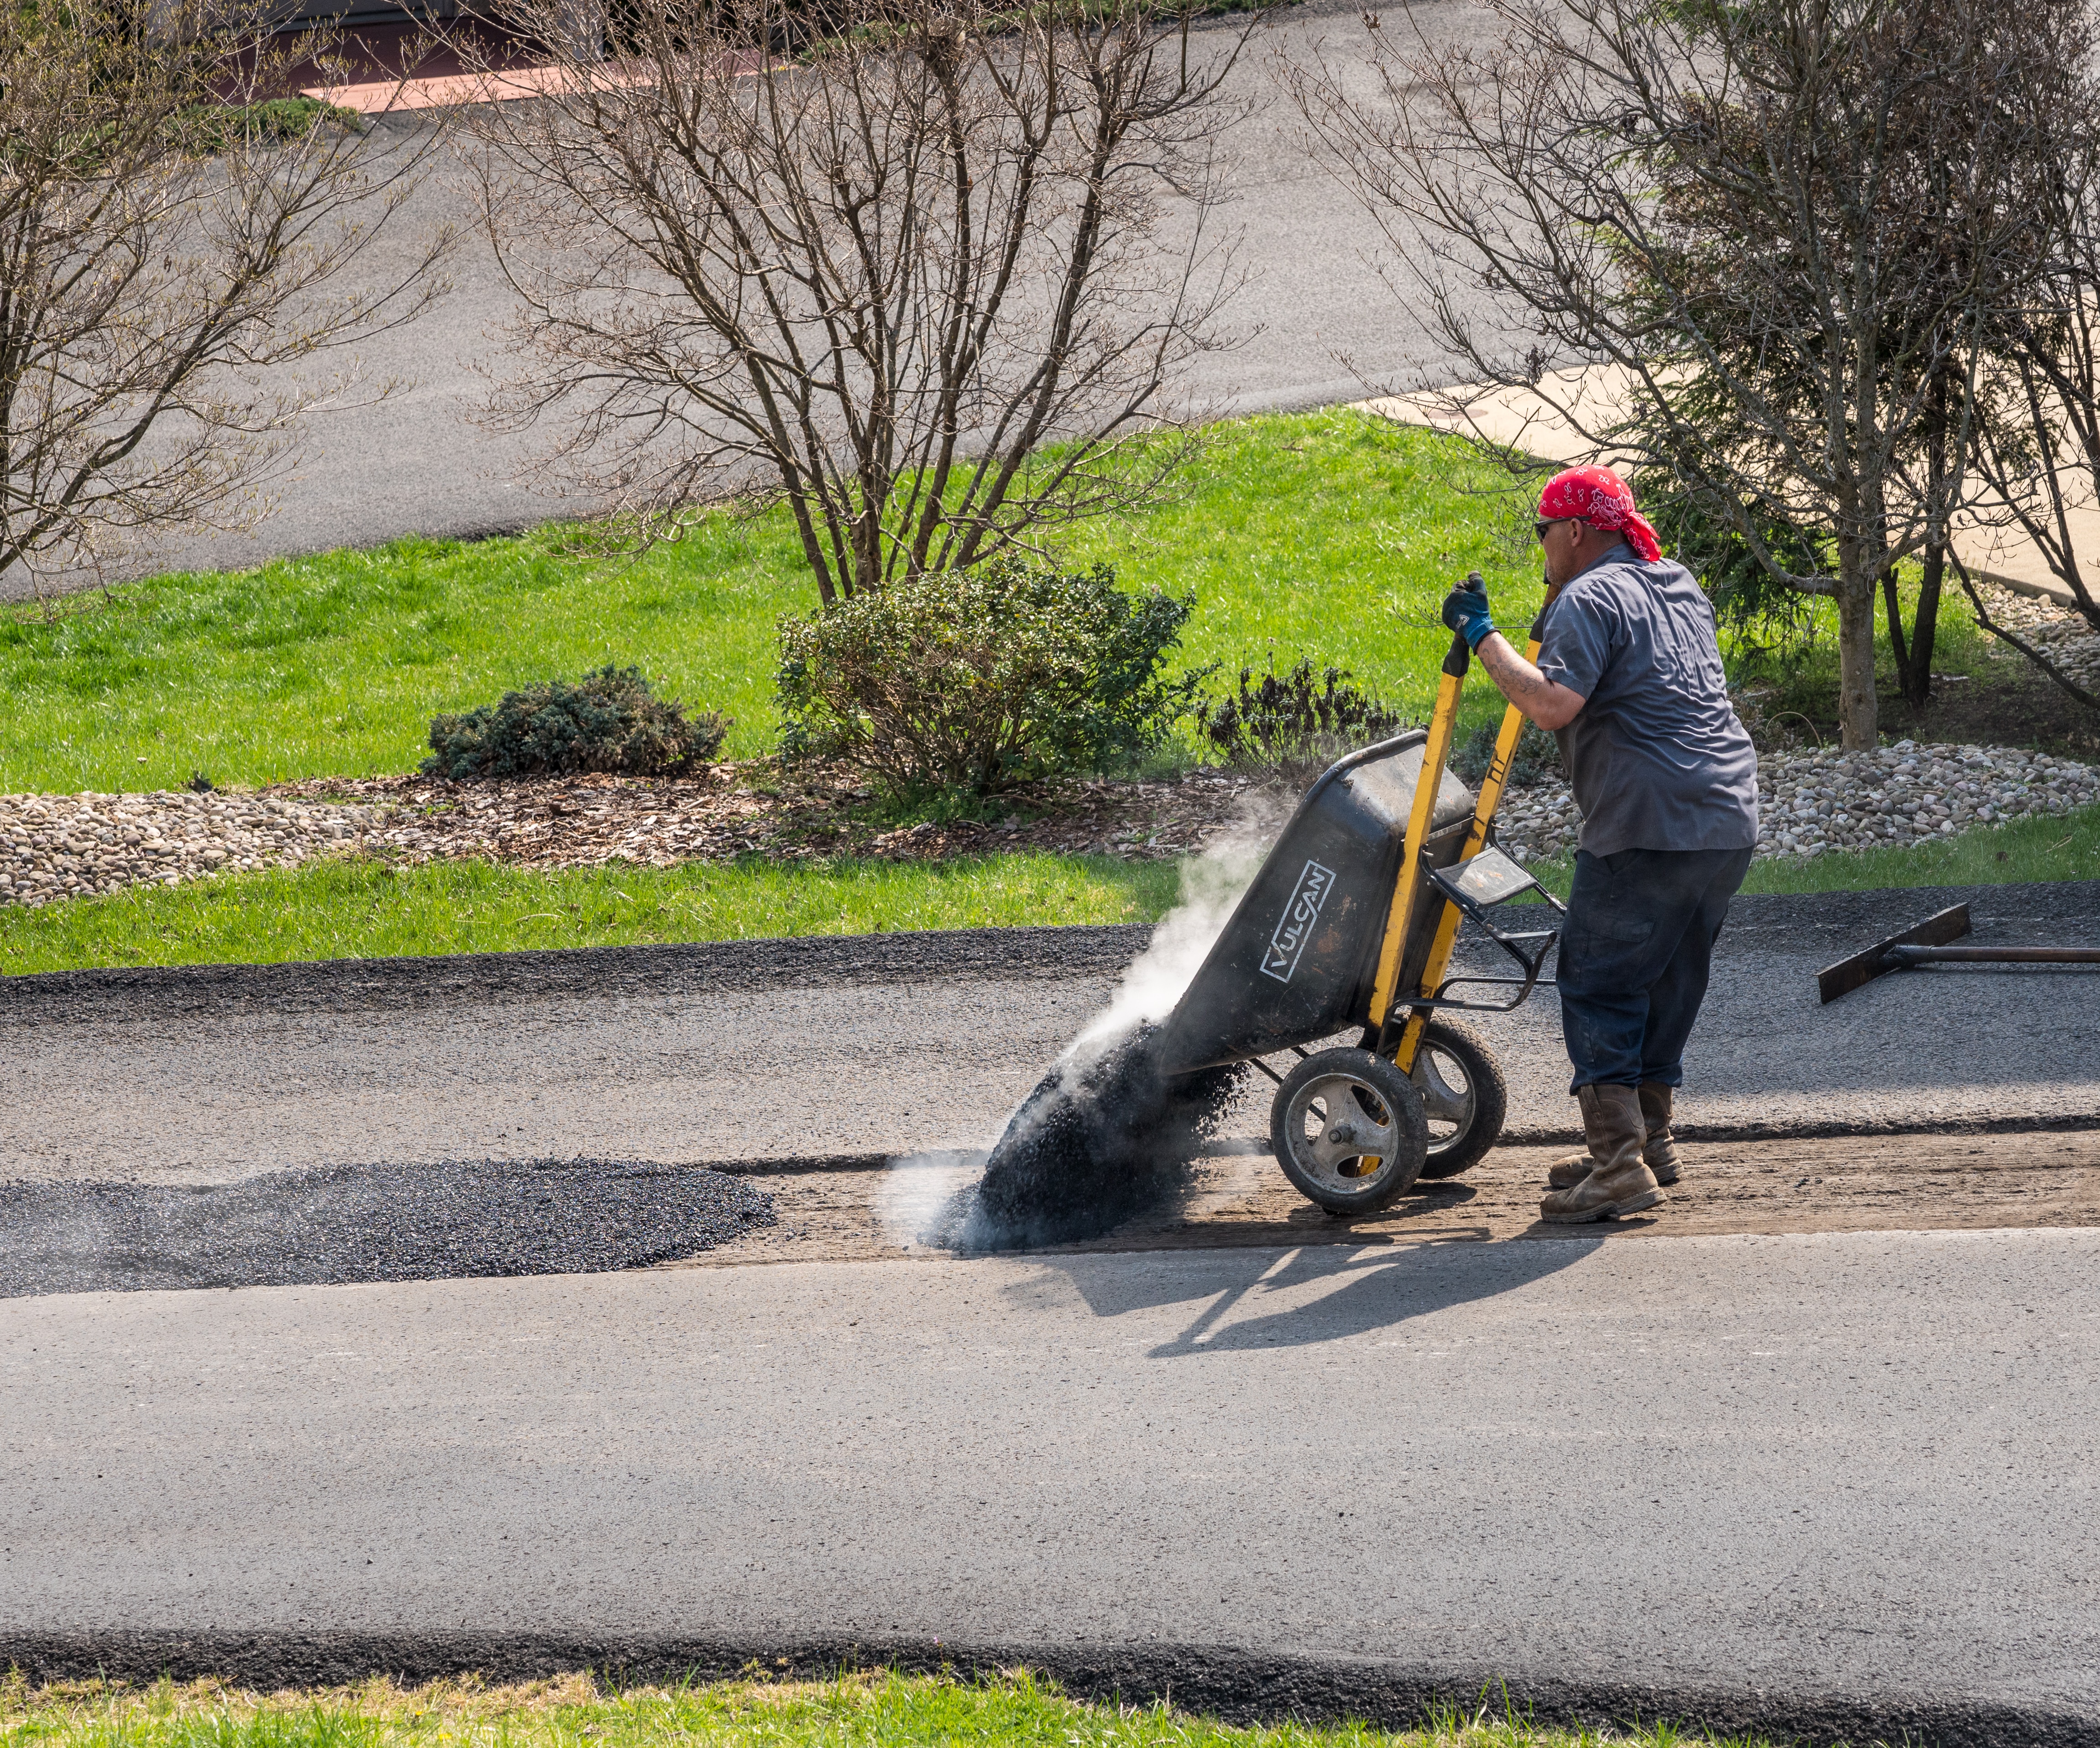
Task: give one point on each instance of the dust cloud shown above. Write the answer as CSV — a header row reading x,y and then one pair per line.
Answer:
x,y
1105,1132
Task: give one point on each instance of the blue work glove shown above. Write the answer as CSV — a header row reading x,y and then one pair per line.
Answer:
x,y
1466,610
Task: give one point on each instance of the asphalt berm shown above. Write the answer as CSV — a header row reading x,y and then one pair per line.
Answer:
x,y
439,980
1827,924
346,1224
1235,1685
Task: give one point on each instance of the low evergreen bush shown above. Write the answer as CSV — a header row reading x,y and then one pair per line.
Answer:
x,y
1536,757
608,721
977,680
1293,718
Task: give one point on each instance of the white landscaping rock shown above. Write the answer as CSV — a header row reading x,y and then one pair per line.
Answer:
x,y
1812,802
2055,632
72,846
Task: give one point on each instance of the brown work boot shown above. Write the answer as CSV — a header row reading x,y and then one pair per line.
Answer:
x,y
1618,1182
1661,1152
1565,1174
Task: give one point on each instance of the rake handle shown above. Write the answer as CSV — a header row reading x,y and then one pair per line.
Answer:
x,y
1994,955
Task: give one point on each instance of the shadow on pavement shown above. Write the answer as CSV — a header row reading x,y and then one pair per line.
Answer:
x,y
1350,1292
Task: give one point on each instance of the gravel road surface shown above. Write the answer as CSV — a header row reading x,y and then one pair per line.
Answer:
x,y
1315,324
1818,1184
814,1049
1839,1486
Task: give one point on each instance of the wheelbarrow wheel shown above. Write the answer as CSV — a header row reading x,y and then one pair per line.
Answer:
x,y
1349,1131
1463,1095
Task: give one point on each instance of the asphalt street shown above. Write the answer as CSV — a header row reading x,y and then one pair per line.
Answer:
x,y
1840,1485
760,1052
1315,323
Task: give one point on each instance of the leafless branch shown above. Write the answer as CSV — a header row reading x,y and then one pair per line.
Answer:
x,y
1784,228
167,264
2041,458
912,277
2006,634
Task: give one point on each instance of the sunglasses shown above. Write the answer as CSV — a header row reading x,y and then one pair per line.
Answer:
x,y
1540,528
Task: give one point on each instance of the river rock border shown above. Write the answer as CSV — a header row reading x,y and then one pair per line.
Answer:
x,y
1813,801
74,846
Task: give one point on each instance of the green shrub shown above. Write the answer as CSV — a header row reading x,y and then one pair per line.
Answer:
x,y
608,721
1291,720
1538,756
976,680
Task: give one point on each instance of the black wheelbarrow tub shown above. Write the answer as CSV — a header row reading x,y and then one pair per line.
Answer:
x,y
1298,958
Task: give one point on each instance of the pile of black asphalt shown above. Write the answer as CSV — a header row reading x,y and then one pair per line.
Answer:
x,y
1097,1142
351,1224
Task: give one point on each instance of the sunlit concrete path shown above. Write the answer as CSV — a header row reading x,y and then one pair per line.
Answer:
x,y
1555,424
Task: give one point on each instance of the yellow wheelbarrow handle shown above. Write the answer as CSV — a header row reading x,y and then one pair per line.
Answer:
x,y
1443,724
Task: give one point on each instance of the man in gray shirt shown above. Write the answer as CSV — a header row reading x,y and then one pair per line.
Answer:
x,y
1629,678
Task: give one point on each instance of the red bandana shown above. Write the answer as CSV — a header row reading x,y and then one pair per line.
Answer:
x,y
1603,500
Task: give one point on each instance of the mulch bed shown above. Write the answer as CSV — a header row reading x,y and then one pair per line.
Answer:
x,y
755,809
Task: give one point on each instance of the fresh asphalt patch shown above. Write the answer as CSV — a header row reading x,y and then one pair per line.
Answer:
x,y
346,1224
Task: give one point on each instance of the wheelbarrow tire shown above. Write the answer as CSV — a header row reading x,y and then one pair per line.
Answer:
x,y
1466,1110
1348,1130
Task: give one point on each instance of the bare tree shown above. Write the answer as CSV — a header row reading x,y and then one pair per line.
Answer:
x,y
876,277
170,255
1783,223
2040,456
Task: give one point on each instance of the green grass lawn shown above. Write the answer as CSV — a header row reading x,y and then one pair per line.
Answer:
x,y
1330,535
333,665
2066,847
1333,535
364,910
874,1710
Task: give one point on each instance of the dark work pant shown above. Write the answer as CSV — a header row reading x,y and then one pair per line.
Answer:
x,y
1635,954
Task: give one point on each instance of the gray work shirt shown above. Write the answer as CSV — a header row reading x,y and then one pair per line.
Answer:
x,y
1658,757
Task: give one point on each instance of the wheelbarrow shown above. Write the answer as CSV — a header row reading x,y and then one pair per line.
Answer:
x,y
1349,927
